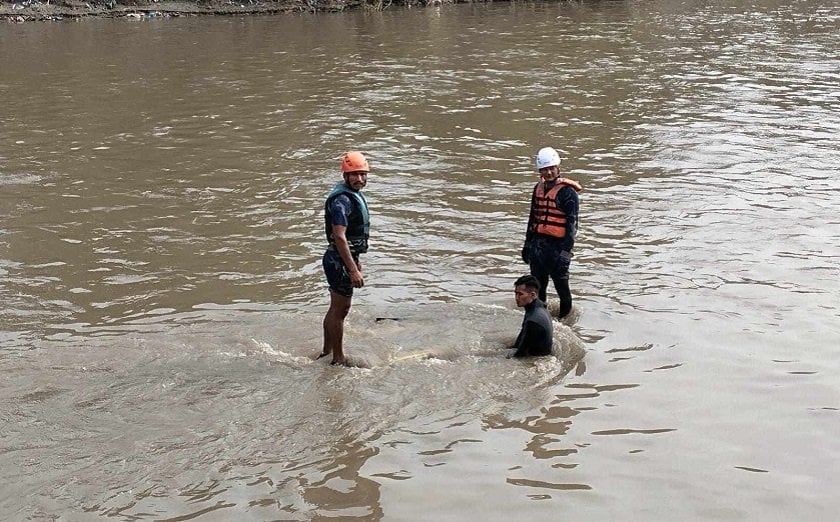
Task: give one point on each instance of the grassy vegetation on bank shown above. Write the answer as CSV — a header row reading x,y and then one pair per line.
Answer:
x,y
25,10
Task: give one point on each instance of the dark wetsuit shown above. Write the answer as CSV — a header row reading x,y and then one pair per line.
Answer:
x,y
551,256
535,338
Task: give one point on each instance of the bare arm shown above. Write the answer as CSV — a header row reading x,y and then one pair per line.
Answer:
x,y
339,234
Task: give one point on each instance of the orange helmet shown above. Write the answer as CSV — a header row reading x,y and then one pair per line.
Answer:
x,y
354,162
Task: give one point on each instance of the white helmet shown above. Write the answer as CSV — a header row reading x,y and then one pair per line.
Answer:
x,y
547,157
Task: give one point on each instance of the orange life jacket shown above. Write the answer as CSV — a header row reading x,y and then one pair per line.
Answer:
x,y
547,218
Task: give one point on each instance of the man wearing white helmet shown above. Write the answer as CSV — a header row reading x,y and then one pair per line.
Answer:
x,y
552,226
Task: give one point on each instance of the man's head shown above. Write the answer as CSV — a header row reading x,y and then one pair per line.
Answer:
x,y
548,163
525,290
354,168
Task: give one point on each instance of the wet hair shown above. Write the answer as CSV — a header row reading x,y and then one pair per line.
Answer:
x,y
529,282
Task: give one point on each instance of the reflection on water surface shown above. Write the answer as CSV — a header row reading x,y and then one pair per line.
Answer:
x,y
161,190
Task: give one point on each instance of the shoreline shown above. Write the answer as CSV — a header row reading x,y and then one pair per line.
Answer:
x,y
37,10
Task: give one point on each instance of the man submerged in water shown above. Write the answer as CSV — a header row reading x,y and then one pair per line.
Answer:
x,y
535,337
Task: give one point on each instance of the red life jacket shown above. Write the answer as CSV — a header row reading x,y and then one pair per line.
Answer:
x,y
547,218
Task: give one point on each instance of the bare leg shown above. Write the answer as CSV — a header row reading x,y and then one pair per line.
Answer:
x,y
334,327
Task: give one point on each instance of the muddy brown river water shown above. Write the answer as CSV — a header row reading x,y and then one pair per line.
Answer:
x,y
161,192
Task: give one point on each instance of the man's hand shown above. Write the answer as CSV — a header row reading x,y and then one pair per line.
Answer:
x,y
357,279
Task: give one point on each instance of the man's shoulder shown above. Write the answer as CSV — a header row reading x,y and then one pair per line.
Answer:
x,y
343,197
570,188
545,314
540,314
339,203
566,188
567,194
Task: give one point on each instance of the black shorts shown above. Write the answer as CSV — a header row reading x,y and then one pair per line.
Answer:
x,y
337,275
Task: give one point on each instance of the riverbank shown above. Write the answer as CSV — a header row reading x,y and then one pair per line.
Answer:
x,y
34,10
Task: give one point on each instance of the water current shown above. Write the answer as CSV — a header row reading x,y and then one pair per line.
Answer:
x,y
161,233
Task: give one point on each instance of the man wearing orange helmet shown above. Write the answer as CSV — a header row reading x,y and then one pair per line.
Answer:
x,y
552,226
346,224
